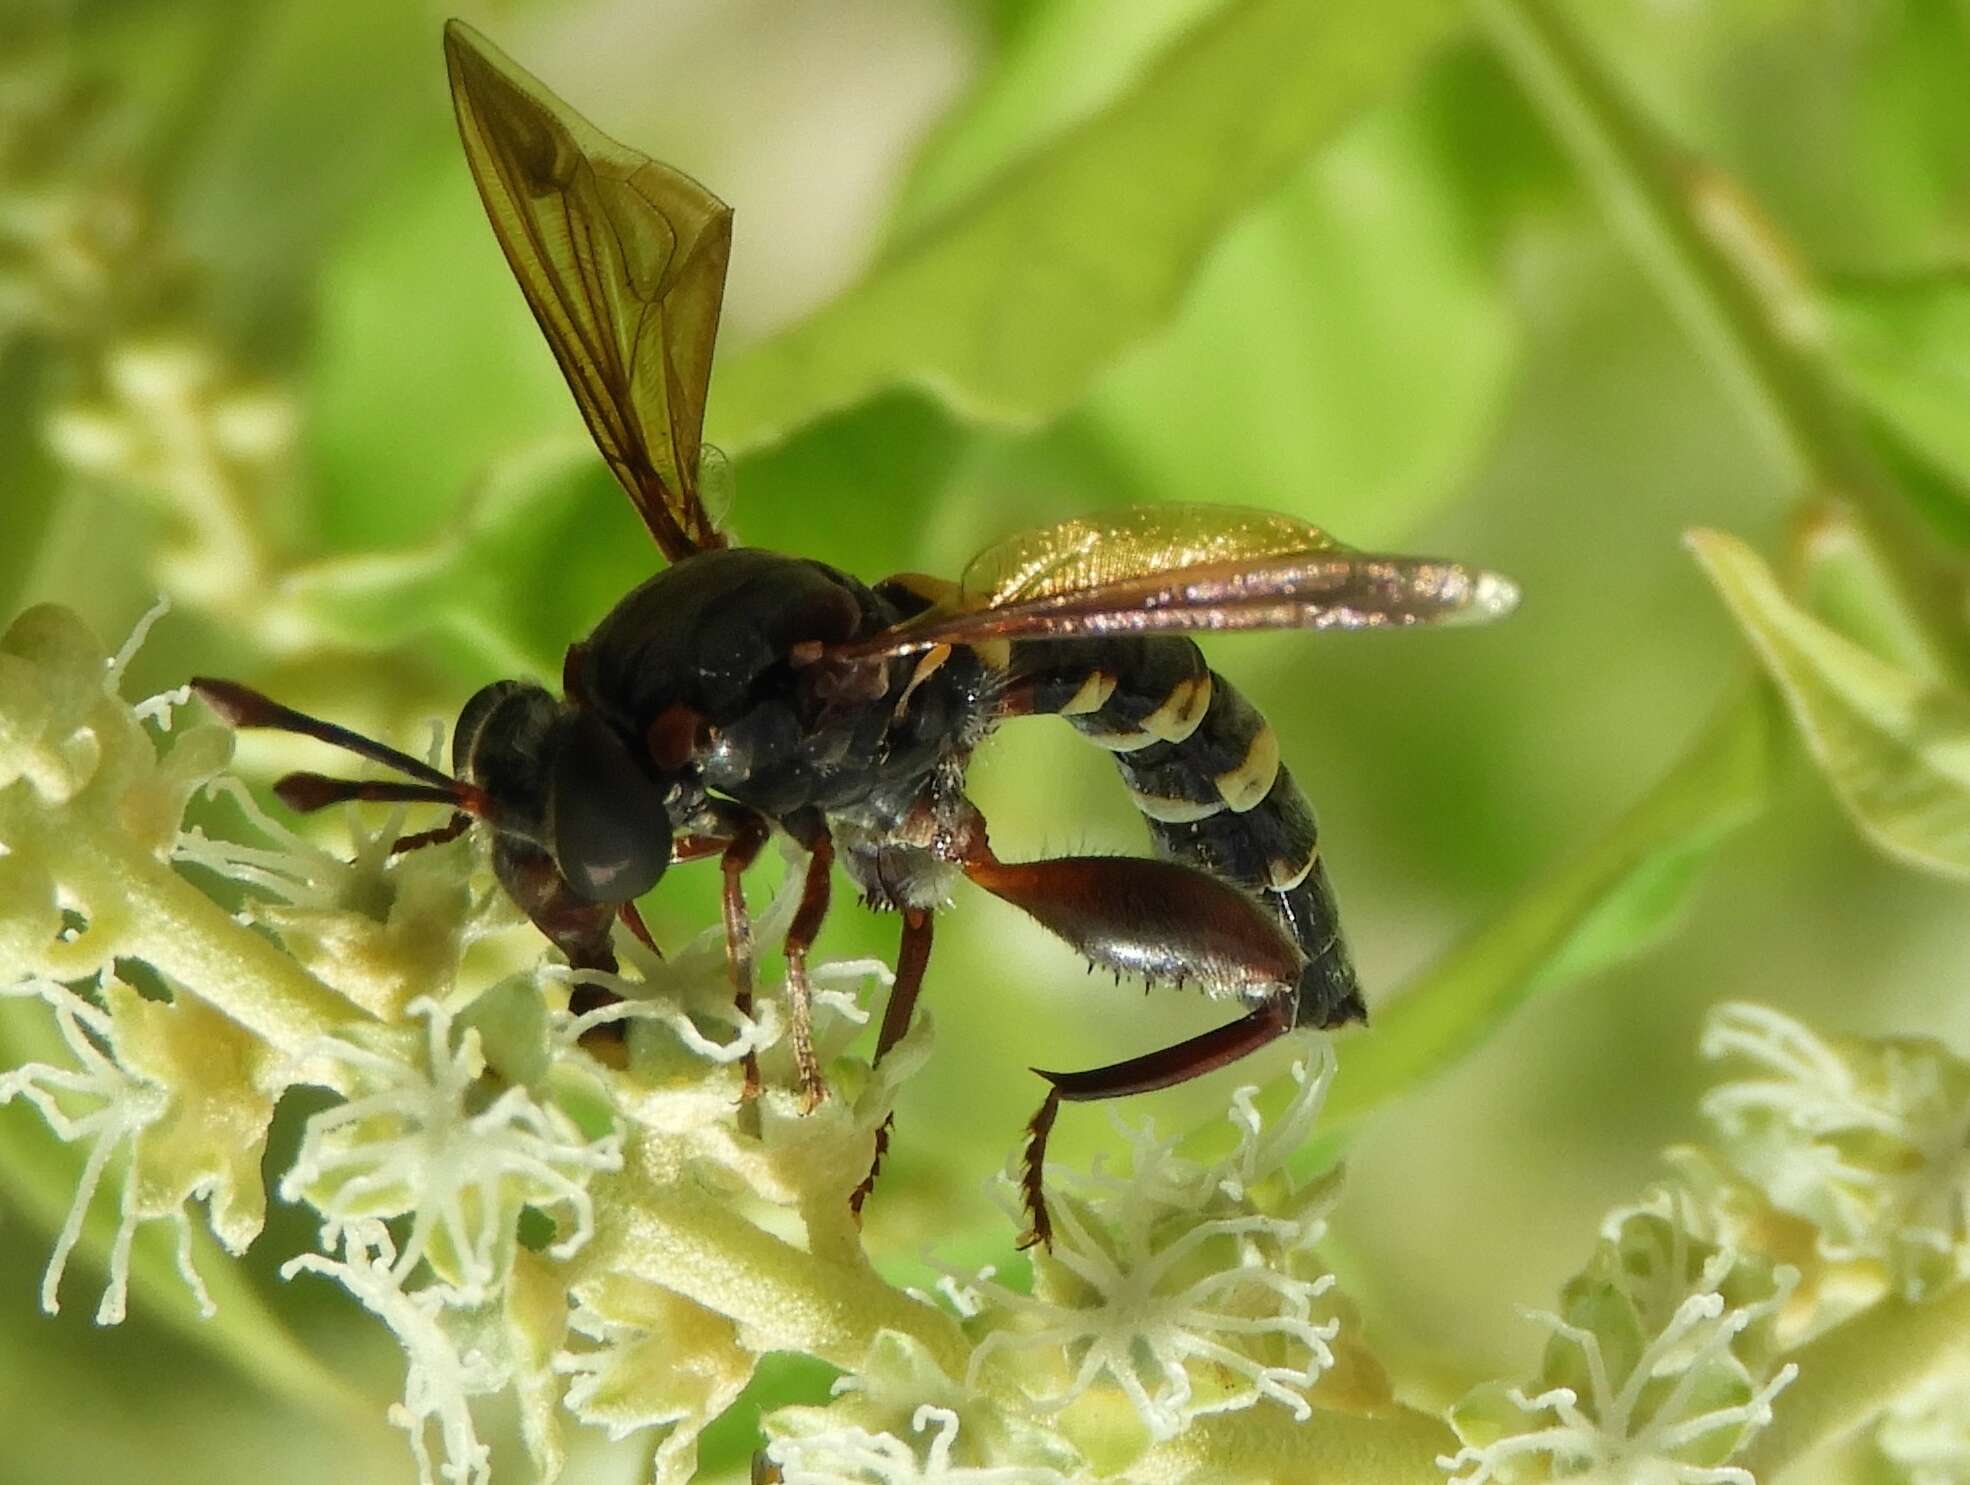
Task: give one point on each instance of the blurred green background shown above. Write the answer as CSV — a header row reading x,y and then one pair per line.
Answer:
x,y
1368,288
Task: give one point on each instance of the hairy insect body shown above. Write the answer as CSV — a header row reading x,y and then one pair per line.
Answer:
x,y
700,673
698,666
1203,767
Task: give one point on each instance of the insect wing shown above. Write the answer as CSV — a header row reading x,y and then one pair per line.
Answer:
x,y
623,263
1163,569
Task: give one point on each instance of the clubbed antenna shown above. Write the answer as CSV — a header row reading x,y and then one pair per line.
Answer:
x,y
242,706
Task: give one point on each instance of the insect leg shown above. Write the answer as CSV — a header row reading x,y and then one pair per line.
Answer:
x,y
912,959
1204,768
1163,920
630,918
812,834
749,832
451,830
1163,1068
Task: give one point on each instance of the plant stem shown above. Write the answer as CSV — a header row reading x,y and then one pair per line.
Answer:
x,y
1740,289
671,1234
164,920
1269,1444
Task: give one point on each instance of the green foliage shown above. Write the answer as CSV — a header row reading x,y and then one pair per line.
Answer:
x,y
1895,746
1007,303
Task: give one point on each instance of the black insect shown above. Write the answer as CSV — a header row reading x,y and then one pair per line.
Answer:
x,y
739,691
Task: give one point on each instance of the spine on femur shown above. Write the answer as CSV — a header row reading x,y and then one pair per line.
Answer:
x,y
1204,768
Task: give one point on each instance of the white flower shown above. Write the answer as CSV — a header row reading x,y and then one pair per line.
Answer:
x,y
1171,1283
412,1139
442,1376
1660,1370
99,1103
1870,1141
653,1359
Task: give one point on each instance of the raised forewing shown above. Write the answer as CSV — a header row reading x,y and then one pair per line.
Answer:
x,y
623,262
1150,569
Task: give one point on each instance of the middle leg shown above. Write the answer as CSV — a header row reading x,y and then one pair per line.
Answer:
x,y
811,832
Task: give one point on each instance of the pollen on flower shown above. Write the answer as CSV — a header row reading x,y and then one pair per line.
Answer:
x,y
1660,1369
1171,1284
1868,1140
418,1137
443,1375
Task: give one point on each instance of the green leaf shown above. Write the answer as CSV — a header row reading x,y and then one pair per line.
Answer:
x,y
1067,60
1608,902
1895,747
1008,304
1902,348
1289,379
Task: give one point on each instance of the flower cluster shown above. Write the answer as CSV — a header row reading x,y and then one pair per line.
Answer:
x,y
1189,1288
620,1240
1662,1363
1868,1141
483,1185
901,1421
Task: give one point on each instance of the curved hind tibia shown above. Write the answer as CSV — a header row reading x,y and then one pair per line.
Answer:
x,y
1162,920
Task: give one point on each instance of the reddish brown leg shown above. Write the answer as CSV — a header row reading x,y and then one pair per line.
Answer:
x,y
451,830
912,959
697,847
806,926
1164,1068
748,836
1159,919
631,919
1039,1227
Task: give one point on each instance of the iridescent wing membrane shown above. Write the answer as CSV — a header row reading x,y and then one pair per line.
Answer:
x,y
623,263
1167,568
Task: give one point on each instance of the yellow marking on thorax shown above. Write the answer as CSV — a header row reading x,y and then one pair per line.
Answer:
x,y
933,659
1248,783
1181,710
993,654
1092,696
932,590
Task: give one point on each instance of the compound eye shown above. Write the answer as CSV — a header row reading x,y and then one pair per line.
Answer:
x,y
610,834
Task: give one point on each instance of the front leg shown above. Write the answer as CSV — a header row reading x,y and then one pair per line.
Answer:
x,y
807,828
745,833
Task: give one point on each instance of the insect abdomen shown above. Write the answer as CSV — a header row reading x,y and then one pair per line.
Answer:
x,y
1204,768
